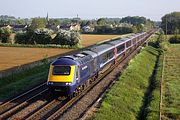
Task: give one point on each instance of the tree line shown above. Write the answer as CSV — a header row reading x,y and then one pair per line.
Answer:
x,y
40,36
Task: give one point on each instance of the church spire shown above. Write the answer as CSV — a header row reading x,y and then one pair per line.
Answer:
x,y
47,17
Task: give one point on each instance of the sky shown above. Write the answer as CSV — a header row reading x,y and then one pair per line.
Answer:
x,y
91,9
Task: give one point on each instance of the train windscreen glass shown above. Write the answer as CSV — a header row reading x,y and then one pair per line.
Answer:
x,y
61,70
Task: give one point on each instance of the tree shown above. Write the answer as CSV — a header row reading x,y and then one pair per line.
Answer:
x,y
38,23
171,22
39,36
4,35
141,23
101,21
135,20
54,22
71,38
103,29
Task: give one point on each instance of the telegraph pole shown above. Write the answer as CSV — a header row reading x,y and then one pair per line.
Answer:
x,y
166,28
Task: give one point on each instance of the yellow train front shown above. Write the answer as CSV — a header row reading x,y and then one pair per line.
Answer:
x,y
62,76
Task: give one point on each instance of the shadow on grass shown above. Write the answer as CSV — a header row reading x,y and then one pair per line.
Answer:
x,y
148,94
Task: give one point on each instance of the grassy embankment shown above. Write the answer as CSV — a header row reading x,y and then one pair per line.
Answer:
x,y
17,83
171,84
136,95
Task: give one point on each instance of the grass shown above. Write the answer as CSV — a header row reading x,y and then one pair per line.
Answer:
x,y
171,96
129,97
39,46
16,83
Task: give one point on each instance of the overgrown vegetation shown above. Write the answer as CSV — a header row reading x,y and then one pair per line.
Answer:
x,y
16,83
175,39
39,46
71,38
106,29
4,35
125,101
42,36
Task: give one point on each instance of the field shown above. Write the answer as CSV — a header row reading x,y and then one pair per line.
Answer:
x,y
16,56
171,84
11,56
88,40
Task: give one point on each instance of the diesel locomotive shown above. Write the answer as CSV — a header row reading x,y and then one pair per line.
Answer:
x,y
71,74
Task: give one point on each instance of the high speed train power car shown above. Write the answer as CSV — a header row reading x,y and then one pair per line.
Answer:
x,y
71,74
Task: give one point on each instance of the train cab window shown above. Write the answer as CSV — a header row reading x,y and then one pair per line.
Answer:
x,y
61,70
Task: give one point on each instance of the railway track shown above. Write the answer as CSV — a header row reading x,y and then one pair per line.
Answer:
x,y
38,104
18,102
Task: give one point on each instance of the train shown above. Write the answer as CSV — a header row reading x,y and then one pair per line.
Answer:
x,y
73,73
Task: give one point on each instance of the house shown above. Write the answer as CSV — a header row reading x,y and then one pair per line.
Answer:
x,y
9,27
18,28
87,29
72,26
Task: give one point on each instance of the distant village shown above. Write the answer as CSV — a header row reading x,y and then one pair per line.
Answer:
x,y
76,24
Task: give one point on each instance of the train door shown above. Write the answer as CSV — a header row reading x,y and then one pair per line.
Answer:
x,y
95,64
78,74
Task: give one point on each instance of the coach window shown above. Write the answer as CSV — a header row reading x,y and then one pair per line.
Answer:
x,y
120,48
104,58
128,43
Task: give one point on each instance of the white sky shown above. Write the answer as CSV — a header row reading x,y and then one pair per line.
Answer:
x,y
153,9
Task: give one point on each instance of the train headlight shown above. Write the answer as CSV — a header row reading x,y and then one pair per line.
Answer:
x,y
68,83
50,83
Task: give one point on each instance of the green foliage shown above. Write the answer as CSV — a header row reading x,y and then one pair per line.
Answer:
x,y
124,30
103,29
71,38
153,107
101,21
4,35
164,46
140,23
136,20
16,83
38,23
175,39
39,45
172,22
107,29
39,36
54,22
125,99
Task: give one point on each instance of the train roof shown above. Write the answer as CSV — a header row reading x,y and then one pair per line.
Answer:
x,y
93,54
117,42
100,49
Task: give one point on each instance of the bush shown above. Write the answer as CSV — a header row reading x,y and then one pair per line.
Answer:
x,y
33,37
4,35
71,38
41,38
21,38
175,39
124,30
106,29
